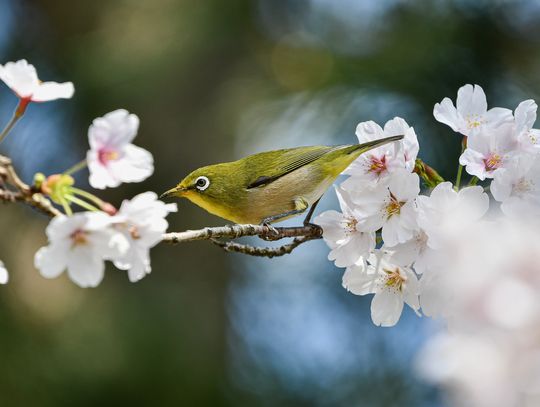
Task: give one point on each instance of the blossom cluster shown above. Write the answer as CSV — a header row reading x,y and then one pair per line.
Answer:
x,y
453,252
392,240
81,242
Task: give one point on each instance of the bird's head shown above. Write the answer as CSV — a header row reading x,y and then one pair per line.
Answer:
x,y
206,184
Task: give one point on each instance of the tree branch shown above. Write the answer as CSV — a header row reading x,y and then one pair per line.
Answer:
x,y
301,234
20,191
13,189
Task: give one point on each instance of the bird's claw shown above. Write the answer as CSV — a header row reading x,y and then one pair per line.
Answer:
x,y
272,234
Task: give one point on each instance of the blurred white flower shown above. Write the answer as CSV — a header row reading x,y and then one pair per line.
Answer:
x,y
518,187
488,292
379,162
21,77
3,273
393,285
524,118
389,204
445,213
112,159
470,115
488,151
142,221
80,244
343,234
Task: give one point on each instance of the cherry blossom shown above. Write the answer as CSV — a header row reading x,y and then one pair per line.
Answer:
x,y
517,187
21,77
3,273
142,221
112,159
379,162
470,115
388,205
343,234
489,151
392,284
80,244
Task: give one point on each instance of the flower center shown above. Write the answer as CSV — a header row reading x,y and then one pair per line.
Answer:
x,y
377,165
474,121
393,207
394,279
79,237
134,232
492,162
105,156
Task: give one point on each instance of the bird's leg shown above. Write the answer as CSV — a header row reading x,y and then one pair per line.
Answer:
x,y
307,220
300,206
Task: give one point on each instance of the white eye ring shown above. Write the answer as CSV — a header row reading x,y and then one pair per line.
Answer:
x,y
201,183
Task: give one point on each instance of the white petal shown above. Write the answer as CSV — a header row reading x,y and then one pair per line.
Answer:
x,y
471,101
4,277
525,115
20,76
446,113
386,308
48,91
368,131
85,268
135,165
474,163
114,130
100,176
498,116
51,260
358,281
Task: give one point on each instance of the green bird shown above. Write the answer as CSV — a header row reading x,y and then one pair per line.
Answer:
x,y
270,186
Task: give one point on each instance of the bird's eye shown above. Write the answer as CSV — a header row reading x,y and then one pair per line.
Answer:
x,y
202,183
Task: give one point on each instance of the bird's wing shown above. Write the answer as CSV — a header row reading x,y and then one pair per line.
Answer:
x,y
275,164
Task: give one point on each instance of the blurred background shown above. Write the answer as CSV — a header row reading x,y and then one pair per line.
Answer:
x,y
213,81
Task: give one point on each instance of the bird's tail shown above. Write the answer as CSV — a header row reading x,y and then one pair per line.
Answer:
x,y
345,155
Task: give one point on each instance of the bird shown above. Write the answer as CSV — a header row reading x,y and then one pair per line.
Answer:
x,y
271,186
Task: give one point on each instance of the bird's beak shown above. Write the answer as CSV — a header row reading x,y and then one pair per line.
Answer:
x,y
176,191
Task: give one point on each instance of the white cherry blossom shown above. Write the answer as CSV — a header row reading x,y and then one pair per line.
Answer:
x,y
112,158
470,115
392,284
343,234
518,187
488,151
445,213
142,221
389,204
379,162
4,277
21,77
80,244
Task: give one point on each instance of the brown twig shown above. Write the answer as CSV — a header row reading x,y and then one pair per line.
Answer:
x,y
301,234
22,192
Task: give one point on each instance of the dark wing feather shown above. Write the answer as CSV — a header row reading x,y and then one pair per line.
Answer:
x,y
274,165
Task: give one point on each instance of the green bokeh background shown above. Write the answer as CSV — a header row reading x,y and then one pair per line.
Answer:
x,y
213,80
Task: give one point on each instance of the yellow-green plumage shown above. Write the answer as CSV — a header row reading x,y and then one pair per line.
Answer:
x,y
269,184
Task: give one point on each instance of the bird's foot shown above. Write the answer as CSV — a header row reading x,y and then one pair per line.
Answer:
x,y
272,234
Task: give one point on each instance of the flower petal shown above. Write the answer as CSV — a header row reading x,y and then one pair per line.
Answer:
x,y
48,91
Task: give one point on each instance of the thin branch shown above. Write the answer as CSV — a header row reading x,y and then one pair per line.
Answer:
x,y
301,235
22,192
